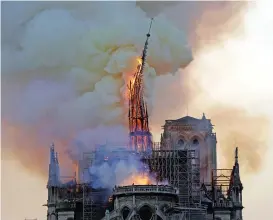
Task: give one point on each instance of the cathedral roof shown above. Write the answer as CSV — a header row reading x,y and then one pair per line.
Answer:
x,y
186,119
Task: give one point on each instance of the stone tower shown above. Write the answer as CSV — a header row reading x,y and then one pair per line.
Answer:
x,y
195,134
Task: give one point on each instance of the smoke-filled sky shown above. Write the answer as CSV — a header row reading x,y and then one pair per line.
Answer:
x,y
65,65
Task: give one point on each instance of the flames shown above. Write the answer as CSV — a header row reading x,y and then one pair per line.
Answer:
x,y
138,179
130,77
139,60
138,66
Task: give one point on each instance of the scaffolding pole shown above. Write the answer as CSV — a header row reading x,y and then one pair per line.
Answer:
x,y
87,203
181,168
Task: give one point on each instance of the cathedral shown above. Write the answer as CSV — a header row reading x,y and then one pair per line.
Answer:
x,y
186,157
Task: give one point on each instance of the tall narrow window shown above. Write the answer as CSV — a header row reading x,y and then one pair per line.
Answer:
x,y
125,212
195,142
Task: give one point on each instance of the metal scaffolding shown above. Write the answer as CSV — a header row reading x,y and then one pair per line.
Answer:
x,y
87,203
220,182
181,168
83,199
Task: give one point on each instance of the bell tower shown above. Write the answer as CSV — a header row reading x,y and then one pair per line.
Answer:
x,y
193,134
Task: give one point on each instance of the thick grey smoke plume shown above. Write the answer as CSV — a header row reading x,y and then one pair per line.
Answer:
x,y
114,171
65,67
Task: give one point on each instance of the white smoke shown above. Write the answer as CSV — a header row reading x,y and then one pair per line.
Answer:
x,y
109,175
65,66
125,170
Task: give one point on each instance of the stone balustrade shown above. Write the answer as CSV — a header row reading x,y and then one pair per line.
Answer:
x,y
144,189
222,204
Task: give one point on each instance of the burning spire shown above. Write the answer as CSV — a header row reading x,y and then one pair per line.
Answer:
x,y
140,135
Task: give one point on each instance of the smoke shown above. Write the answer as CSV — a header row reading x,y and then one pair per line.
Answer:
x,y
153,9
116,172
225,85
116,166
65,67
237,127
222,82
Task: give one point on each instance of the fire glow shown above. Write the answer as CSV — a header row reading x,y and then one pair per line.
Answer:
x,y
130,77
138,179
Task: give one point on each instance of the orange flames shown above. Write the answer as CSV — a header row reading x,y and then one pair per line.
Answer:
x,y
138,179
130,77
139,60
138,65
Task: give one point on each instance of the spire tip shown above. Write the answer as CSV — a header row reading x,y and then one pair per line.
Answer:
x,y
148,34
236,155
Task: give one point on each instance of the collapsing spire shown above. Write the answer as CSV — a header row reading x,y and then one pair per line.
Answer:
x,y
140,135
144,52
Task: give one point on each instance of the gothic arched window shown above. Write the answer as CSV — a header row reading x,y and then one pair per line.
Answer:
x,y
145,212
125,212
195,142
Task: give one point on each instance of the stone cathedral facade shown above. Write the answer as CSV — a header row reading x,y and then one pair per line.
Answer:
x,y
216,195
